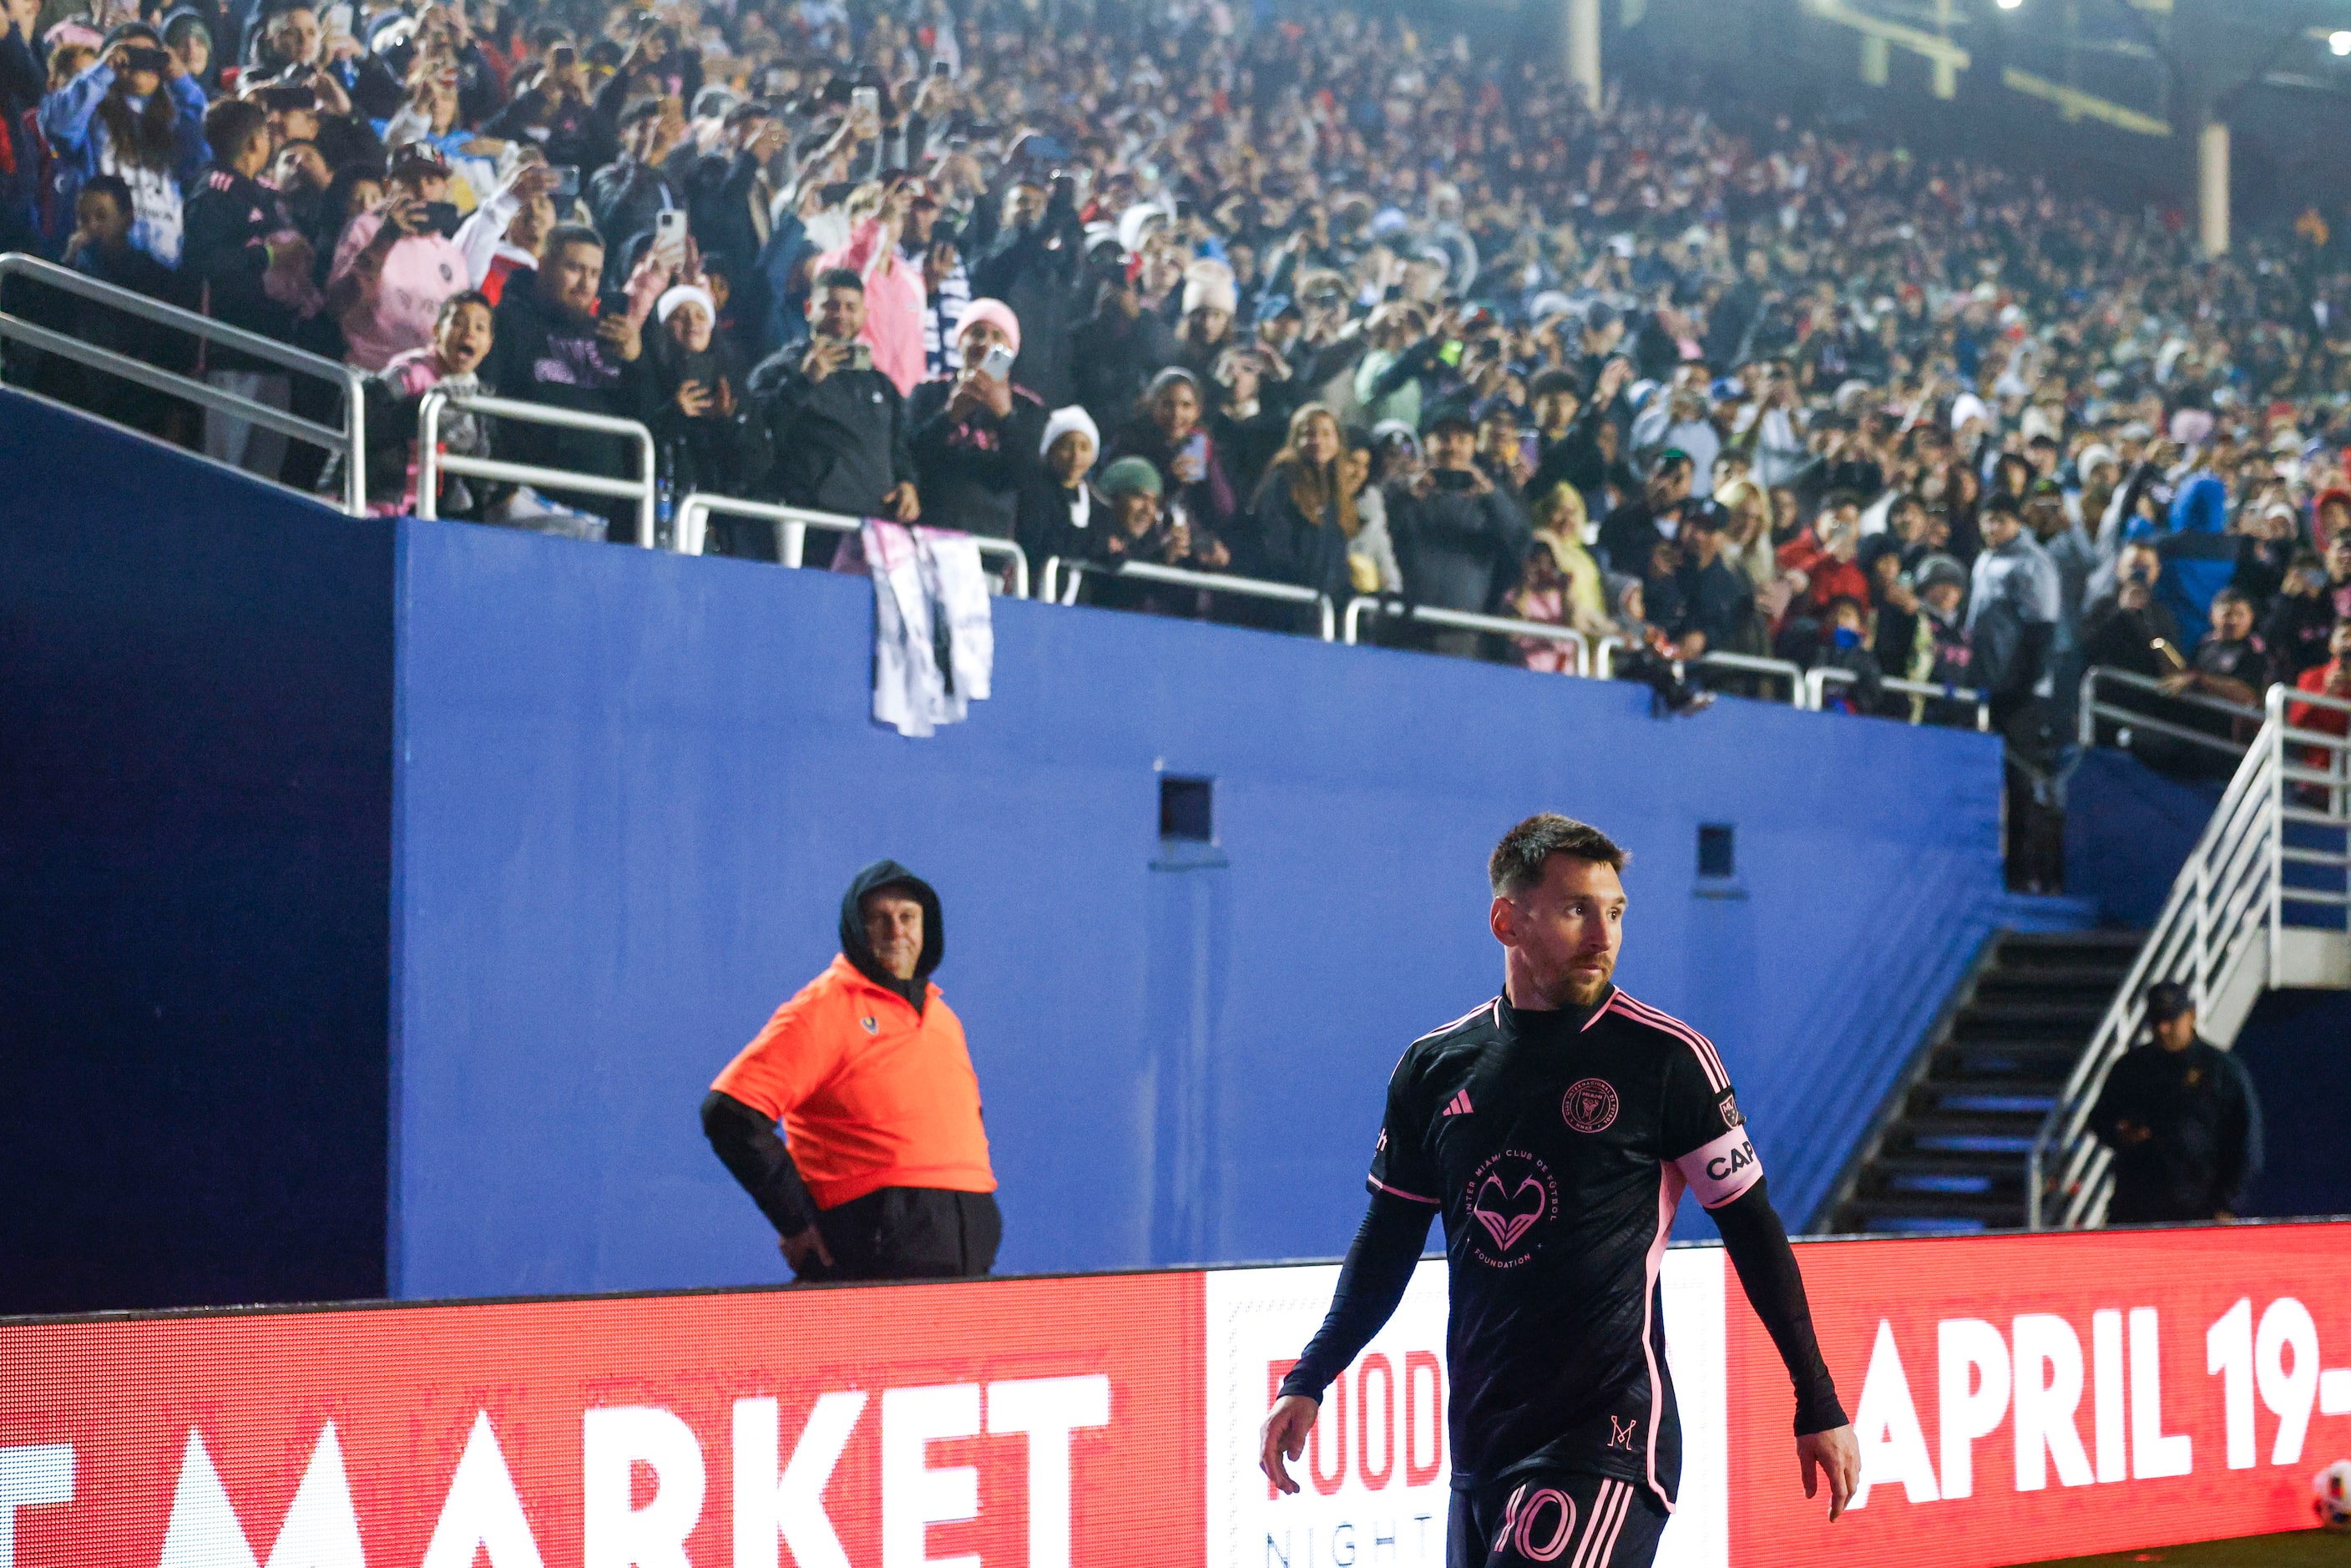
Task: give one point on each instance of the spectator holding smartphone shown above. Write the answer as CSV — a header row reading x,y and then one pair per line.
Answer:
x,y
555,346
134,114
395,267
1166,432
708,437
975,434
838,425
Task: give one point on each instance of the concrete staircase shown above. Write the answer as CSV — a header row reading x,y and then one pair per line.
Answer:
x,y
1951,1157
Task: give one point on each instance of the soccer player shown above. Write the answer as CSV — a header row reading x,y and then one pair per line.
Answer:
x,y
1555,1127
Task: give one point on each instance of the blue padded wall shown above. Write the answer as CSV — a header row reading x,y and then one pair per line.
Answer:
x,y
632,788
195,815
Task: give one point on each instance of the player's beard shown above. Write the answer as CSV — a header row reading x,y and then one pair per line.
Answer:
x,y
1585,987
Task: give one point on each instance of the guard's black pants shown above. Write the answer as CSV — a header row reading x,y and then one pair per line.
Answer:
x,y
909,1233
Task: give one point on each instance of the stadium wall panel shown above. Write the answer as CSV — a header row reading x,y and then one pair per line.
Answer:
x,y
634,787
458,861
195,814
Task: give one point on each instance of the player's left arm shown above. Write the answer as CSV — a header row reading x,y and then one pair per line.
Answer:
x,y
1718,1162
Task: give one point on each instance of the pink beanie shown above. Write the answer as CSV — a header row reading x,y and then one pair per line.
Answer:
x,y
994,310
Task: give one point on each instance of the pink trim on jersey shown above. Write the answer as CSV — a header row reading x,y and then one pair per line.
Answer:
x,y
1600,1010
1669,1194
1717,1077
1399,1192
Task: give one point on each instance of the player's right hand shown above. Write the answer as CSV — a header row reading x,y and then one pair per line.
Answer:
x,y
1836,1453
1283,1437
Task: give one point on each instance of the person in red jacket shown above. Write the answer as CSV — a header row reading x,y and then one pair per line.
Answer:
x,y
2334,679
886,1175
1825,553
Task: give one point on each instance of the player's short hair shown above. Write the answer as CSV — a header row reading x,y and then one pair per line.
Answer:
x,y
1517,863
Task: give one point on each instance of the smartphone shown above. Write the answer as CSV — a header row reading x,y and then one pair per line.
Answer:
x,y
865,101
997,364
567,181
1195,447
443,218
669,233
140,58
861,356
938,68
2169,654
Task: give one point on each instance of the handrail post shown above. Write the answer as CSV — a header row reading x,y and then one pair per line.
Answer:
x,y
355,493
1354,618
2273,703
2087,718
649,503
428,453
1052,578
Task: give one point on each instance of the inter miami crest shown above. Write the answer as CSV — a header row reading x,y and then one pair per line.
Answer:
x,y
1589,1105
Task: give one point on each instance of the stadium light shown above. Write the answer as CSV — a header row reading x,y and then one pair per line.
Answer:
x,y
2340,42
2009,5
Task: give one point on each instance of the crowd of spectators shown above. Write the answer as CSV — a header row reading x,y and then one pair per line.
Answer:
x,y
1315,300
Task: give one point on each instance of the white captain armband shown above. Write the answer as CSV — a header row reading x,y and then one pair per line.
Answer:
x,y
1721,1170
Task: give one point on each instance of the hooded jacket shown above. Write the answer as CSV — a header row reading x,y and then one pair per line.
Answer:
x,y
869,1075
2198,555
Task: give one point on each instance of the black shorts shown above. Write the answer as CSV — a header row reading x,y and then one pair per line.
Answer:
x,y
1571,1518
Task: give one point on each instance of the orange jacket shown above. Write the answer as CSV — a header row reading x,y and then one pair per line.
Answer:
x,y
871,1093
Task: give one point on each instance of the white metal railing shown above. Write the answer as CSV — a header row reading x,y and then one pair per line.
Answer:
x,y
432,462
792,524
2226,932
1817,684
349,441
1606,651
1779,669
2092,709
1056,569
1464,621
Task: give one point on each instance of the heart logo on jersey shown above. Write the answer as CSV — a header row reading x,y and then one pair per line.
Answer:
x,y
1509,1216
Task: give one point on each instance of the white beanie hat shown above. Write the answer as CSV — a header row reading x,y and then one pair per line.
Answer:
x,y
1062,421
683,294
1210,284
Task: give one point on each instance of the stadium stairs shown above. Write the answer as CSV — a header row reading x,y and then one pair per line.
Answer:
x,y
1952,1155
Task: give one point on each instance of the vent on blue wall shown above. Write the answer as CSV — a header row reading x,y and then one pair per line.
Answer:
x,y
1717,858
1188,810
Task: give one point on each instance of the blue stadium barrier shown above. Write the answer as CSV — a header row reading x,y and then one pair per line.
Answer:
x,y
618,794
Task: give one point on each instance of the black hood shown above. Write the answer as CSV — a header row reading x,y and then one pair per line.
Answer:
x,y
853,945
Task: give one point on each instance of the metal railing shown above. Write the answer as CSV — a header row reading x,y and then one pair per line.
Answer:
x,y
792,524
1816,686
1464,621
432,462
1779,669
1606,650
2091,710
349,441
2234,915
1178,577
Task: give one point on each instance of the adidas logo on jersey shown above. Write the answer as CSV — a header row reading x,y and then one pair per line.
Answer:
x,y
1457,1106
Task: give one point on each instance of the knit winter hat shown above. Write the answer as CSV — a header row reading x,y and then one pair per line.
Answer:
x,y
1130,475
1062,421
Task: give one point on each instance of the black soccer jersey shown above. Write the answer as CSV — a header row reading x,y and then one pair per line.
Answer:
x,y
1557,1145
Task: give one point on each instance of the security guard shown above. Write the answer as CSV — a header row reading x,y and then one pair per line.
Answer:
x,y
887,1175
2182,1119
